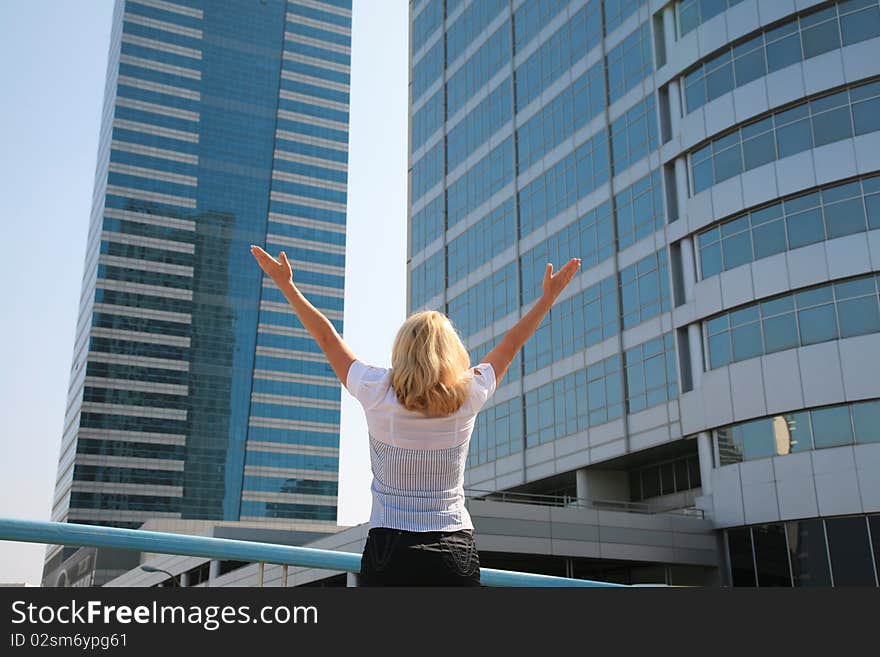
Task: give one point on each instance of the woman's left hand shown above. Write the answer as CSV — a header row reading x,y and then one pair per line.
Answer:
x,y
278,270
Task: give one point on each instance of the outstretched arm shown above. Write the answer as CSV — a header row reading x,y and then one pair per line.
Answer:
x,y
505,351
321,329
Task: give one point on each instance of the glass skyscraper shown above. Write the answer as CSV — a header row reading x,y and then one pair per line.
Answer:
x,y
195,393
716,165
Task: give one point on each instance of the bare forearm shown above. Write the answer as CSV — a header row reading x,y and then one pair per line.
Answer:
x,y
517,336
320,328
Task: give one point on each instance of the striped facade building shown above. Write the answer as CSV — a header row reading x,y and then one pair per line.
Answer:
x,y
716,165
196,397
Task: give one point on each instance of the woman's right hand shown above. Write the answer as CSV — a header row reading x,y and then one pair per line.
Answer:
x,y
554,283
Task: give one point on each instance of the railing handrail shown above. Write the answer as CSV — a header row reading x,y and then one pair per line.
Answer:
x,y
569,501
64,533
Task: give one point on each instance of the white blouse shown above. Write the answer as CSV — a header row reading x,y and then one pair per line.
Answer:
x,y
417,461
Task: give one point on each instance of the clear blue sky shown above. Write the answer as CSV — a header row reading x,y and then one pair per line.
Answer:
x,y
53,59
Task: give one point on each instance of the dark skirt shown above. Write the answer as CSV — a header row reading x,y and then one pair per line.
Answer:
x,y
396,557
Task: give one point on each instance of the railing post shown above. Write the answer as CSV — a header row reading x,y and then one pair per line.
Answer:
x,y
261,568
284,576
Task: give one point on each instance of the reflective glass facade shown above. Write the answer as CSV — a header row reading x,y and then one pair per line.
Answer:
x,y
195,392
715,165
524,136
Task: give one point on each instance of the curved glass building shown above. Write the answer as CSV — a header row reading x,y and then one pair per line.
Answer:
x,y
716,165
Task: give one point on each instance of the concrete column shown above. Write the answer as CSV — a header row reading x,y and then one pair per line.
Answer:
x,y
695,342
582,484
704,448
688,268
681,185
669,26
213,572
674,107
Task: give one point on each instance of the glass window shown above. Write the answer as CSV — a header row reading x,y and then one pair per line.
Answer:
x,y
742,565
737,250
783,47
780,333
756,438
807,553
820,32
769,239
693,464
746,341
874,526
831,126
858,316
866,420
719,349
832,426
851,561
667,478
681,475
771,555
817,324
793,138
651,482
805,228
759,150
845,218
859,20
866,116
800,432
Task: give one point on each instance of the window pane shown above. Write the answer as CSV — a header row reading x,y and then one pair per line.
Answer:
x,y
805,228
771,555
872,204
832,126
710,259
817,324
780,333
845,218
794,138
769,239
635,486
759,150
681,475
702,176
832,427
719,349
750,67
719,82
874,524
737,250
858,316
850,553
667,478
820,38
784,52
746,341
651,482
860,25
866,116
757,439
866,418
742,567
728,163
693,464
809,558
800,431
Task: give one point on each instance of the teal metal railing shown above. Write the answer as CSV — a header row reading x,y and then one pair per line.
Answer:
x,y
64,533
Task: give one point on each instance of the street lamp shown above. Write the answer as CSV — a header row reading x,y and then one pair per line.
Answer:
x,y
153,569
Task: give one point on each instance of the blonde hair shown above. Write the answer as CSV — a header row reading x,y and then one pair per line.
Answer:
x,y
430,367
